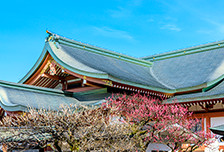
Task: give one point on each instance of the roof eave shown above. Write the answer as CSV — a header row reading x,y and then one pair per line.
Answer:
x,y
11,107
36,65
52,46
32,88
197,99
58,38
181,52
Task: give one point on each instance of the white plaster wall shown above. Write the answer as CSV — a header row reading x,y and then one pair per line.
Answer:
x,y
216,121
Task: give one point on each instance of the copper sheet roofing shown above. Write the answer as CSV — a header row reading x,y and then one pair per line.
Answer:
x,y
110,66
216,92
18,97
177,71
191,69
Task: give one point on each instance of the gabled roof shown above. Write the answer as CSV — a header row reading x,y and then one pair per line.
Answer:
x,y
200,69
185,51
191,68
178,71
214,93
107,66
18,97
95,62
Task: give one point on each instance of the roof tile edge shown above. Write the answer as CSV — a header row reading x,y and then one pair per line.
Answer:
x,y
186,51
31,88
57,38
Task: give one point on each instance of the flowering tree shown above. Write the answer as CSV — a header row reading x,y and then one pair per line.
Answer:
x,y
69,129
122,123
152,121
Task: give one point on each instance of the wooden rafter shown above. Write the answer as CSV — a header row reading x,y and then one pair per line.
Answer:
x,y
37,75
54,77
205,104
63,77
53,84
70,77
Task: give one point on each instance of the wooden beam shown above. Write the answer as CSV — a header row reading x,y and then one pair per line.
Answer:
x,y
208,123
54,77
202,125
209,114
95,80
93,85
74,82
70,77
107,82
64,85
81,89
37,75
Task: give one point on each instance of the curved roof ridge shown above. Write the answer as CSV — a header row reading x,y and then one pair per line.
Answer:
x,y
35,66
31,88
56,37
158,80
19,97
78,62
185,51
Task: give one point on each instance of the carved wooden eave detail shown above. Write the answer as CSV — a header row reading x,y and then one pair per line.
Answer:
x,y
204,105
50,74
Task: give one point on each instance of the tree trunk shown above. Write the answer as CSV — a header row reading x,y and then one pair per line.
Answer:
x,y
57,146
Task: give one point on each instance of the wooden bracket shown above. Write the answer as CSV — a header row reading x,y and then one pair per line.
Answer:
x,y
206,107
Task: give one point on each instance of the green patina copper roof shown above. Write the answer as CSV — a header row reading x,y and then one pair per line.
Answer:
x,y
216,92
186,51
18,97
122,69
178,71
218,130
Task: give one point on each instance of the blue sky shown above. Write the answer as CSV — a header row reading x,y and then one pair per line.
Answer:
x,y
133,27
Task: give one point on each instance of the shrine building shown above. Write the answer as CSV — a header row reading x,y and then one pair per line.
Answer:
x,y
71,72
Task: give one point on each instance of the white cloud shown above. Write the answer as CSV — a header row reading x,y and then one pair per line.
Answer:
x,y
171,27
113,33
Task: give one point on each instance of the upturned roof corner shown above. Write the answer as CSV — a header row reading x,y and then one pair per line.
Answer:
x,y
174,73
63,40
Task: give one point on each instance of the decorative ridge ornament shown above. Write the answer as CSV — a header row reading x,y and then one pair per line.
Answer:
x,y
52,37
74,43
